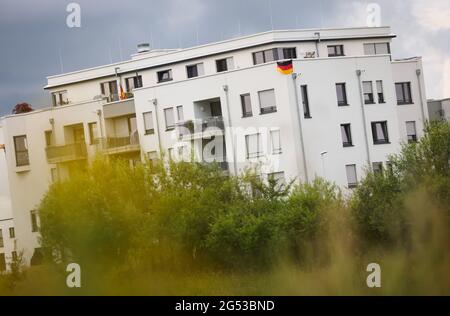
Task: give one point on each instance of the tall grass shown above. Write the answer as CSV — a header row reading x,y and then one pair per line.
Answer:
x,y
190,230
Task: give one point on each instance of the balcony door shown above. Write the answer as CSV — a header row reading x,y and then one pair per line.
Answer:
x,y
216,109
78,134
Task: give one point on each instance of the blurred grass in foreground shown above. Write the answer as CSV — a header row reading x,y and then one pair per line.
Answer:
x,y
186,229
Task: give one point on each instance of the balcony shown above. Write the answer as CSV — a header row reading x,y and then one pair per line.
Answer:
x,y
201,128
66,153
119,145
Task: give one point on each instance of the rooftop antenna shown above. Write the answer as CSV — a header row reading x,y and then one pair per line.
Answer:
x,y
271,15
110,55
120,49
61,65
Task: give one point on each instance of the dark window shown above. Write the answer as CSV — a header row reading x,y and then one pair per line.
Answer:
x,y
273,54
2,262
34,221
380,91
403,90
346,135
377,167
246,105
380,133
368,92
1,239
14,256
194,70
21,150
109,90
224,64
305,101
267,101
411,131
165,75
341,94
133,83
12,233
335,50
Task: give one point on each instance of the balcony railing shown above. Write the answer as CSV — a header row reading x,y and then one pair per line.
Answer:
x,y
116,145
200,126
71,152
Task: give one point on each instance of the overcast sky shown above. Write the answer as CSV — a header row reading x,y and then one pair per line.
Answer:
x,y
35,41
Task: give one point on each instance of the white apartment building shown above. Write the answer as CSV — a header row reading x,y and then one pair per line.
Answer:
x,y
346,107
7,231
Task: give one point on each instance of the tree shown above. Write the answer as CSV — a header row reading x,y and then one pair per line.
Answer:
x,y
22,108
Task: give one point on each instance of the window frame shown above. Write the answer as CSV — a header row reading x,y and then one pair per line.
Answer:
x,y
279,150
34,221
27,160
335,49
258,152
346,127
344,93
380,95
246,113
370,95
408,86
385,129
412,138
267,109
169,127
225,60
351,185
305,101
12,232
160,74
148,131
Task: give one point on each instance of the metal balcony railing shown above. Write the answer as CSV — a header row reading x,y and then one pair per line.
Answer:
x,y
70,152
196,126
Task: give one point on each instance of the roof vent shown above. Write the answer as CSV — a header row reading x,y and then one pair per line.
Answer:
x,y
143,47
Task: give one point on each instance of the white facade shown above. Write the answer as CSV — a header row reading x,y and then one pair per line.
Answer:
x,y
439,109
382,100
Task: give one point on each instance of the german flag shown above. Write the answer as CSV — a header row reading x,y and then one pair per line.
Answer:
x,y
285,67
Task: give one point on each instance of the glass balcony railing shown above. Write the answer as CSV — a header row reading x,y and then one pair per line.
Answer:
x,y
196,126
64,153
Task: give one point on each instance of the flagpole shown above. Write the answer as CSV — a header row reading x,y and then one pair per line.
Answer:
x,y
271,14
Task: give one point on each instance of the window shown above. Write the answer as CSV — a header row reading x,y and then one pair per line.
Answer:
x,y
153,157
93,133
253,145
195,70
368,92
34,221
1,239
48,138
346,135
224,64
335,50
341,94
14,256
377,48
21,150
273,54
275,140
380,91
2,262
148,123
109,90
352,179
133,83
267,101
169,117
278,178
246,104
170,153
305,101
403,90
377,167
54,175
180,114
411,131
380,133
60,98
165,75
12,232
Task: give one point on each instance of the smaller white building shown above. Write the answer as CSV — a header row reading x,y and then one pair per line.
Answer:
x,y
439,109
